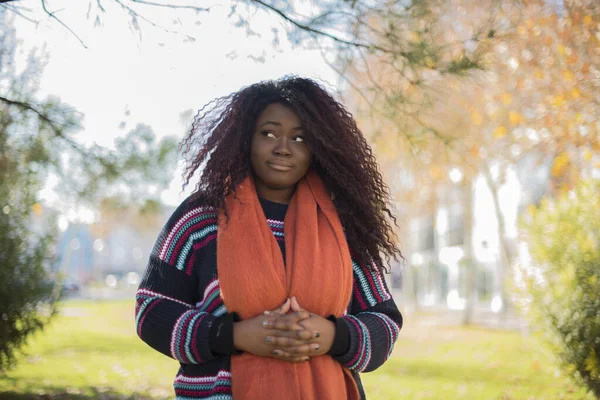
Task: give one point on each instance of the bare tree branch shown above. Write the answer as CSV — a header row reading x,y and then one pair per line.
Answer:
x,y
17,10
134,14
51,14
173,6
312,30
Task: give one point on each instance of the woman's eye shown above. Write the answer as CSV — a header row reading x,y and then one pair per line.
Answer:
x,y
268,134
299,139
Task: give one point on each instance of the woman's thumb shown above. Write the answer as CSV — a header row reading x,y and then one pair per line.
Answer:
x,y
295,305
285,307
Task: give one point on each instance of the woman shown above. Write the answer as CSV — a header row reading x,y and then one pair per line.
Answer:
x,y
267,282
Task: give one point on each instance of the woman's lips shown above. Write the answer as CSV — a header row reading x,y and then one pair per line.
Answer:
x,y
280,165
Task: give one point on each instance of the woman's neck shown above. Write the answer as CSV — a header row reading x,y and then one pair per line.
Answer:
x,y
282,196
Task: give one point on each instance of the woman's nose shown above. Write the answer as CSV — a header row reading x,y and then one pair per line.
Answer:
x,y
282,147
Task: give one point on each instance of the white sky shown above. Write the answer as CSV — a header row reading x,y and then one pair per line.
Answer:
x,y
158,76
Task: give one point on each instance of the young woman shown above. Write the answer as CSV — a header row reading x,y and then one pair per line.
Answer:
x,y
267,282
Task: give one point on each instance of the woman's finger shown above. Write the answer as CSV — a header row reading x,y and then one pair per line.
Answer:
x,y
284,309
285,322
288,356
282,341
303,350
301,335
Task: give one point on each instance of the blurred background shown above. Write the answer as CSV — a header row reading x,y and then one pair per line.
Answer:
x,y
484,117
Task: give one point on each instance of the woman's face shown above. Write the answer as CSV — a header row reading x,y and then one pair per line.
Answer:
x,y
278,153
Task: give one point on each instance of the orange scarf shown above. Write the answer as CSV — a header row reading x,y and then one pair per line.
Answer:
x,y
253,278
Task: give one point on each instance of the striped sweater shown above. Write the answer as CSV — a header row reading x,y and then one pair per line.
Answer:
x,y
179,307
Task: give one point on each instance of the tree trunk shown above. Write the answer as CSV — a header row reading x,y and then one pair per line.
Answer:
x,y
505,255
469,264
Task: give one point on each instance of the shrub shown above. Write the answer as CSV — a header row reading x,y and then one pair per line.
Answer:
x,y
27,295
562,286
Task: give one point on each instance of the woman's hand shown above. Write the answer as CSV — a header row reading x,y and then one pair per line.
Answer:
x,y
300,338
251,336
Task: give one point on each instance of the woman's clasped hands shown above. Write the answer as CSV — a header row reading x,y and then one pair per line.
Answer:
x,y
288,333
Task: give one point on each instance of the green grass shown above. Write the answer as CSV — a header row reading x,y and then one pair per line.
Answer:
x,y
458,363
92,351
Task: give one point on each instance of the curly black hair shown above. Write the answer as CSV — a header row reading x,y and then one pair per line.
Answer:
x,y
219,145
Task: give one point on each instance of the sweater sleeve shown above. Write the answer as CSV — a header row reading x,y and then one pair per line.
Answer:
x,y
372,324
166,315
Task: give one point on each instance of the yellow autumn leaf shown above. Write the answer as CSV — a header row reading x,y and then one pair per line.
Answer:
x,y
539,74
578,118
561,49
500,132
531,209
575,93
474,151
521,30
530,23
515,118
506,98
558,100
476,118
568,75
560,163
587,155
435,172
37,208
587,20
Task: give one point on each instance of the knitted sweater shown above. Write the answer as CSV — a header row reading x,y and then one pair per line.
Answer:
x,y
179,310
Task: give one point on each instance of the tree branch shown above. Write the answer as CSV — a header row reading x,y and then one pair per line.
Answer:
x,y
55,128
134,14
51,14
100,6
17,10
173,6
310,29
349,81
